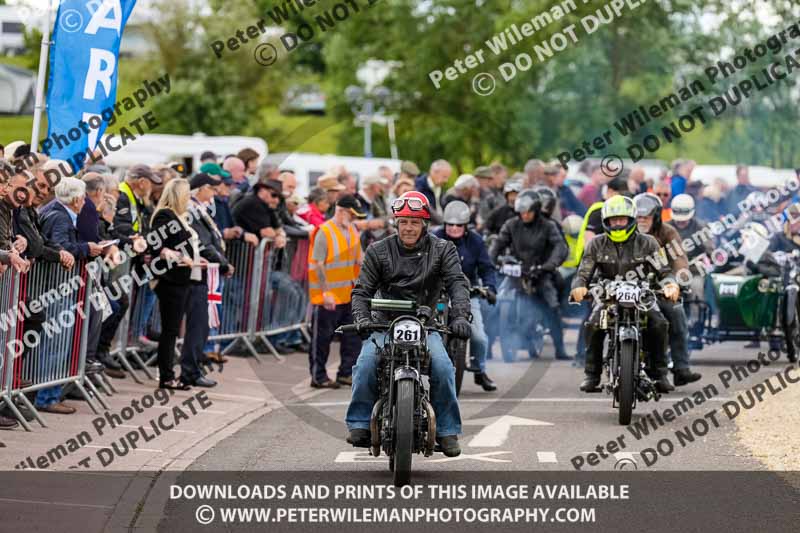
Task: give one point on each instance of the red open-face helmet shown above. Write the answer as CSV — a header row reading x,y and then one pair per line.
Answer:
x,y
412,204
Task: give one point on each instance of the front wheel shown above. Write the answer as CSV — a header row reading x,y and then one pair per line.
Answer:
x,y
403,432
626,387
457,348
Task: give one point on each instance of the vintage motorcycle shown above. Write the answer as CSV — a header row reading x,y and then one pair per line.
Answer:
x,y
624,316
403,422
760,306
511,309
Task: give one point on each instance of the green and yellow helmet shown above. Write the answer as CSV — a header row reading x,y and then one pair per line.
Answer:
x,y
619,206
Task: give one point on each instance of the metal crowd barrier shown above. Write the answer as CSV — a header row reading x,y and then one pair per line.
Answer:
x,y
240,295
57,355
257,302
9,293
284,304
126,339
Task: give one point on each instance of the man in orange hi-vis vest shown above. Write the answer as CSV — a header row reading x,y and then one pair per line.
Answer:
x,y
334,261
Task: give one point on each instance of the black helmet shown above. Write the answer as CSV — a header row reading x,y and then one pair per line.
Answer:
x,y
528,201
649,205
548,199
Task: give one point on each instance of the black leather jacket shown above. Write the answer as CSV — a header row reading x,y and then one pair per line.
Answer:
x,y
537,243
641,254
395,272
210,237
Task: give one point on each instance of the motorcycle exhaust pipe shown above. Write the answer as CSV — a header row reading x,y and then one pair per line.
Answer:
x,y
431,444
373,429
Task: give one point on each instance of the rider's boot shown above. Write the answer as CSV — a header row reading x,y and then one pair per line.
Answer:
x,y
449,445
483,380
359,438
590,383
661,381
684,376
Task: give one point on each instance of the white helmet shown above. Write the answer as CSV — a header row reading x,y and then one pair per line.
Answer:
x,y
456,212
682,208
754,242
572,225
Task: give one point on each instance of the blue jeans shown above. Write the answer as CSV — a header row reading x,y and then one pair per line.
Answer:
x,y
678,333
148,304
442,381
478,340
48,397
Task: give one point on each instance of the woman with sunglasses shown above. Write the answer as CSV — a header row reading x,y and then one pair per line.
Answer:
x,y
410,265
475,263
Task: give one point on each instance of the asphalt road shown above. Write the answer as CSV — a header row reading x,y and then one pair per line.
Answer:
x,y
536,420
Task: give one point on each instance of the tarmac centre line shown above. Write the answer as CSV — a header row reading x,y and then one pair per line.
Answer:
x,y
543,457
523,400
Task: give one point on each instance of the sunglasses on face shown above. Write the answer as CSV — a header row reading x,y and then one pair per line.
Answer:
x,y
457,225
415,204
663,195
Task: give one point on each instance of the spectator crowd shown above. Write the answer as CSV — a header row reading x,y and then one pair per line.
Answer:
x,y
237,197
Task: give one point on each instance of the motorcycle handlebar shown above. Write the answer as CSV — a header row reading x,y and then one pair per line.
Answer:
x,y
369,328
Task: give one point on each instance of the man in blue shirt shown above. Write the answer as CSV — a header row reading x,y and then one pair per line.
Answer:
x,y
681,174
475,264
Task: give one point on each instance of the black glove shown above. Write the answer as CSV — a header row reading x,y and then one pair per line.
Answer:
x,y
491,296
461,328
362,325
535,271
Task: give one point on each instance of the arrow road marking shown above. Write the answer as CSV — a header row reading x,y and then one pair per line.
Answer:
x,y
497,429
546,457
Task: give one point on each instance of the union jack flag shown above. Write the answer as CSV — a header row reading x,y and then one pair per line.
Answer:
x,y
214,295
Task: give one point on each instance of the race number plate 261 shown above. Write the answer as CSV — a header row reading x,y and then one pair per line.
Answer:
x,y
407,331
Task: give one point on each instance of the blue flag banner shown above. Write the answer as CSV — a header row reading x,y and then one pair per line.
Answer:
x,y
82,87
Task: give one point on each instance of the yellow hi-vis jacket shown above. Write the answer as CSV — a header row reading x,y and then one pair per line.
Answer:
x,y
125,189
576,249
342,264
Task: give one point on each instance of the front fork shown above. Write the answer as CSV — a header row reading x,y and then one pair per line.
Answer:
x,y
382,422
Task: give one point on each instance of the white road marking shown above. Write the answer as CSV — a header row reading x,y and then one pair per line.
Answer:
x,y
546,457
359,456
521,400
497,429
626,455
363,456
484,457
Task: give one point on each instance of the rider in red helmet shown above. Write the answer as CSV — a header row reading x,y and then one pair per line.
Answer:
x,y
411,265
